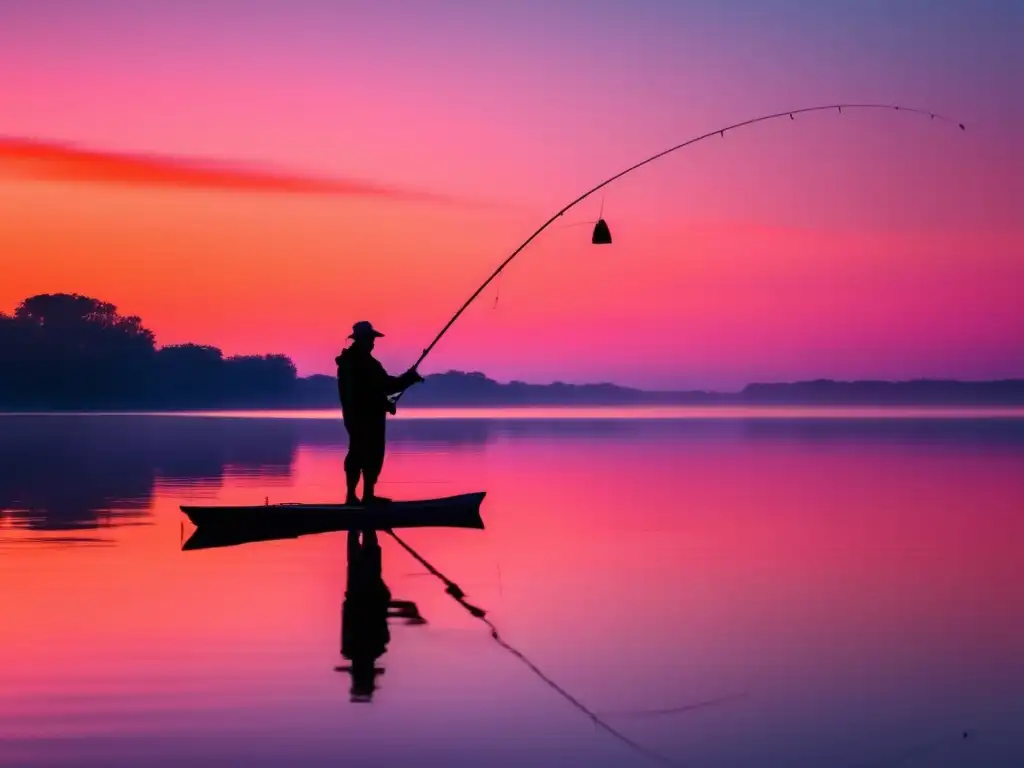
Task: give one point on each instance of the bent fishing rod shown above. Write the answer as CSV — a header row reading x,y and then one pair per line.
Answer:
x,y
605,235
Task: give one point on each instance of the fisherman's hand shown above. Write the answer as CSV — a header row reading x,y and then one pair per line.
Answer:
x,y
413,376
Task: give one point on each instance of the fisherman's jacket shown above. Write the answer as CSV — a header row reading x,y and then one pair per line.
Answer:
x,y
364,386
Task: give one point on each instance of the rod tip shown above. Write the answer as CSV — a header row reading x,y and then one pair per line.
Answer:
x,y
963,127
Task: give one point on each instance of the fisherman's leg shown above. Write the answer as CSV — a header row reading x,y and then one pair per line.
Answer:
x,y
373,464
353,463
352,472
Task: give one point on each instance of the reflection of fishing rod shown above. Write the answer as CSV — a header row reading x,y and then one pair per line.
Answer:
x,y
456,592
602,235
452,588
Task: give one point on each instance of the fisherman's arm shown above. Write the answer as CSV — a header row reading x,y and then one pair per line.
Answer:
x,y
394,384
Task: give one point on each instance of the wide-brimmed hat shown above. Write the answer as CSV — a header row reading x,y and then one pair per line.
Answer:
x,y
362,329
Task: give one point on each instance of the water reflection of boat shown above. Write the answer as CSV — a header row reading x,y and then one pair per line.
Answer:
x,y
368,603
365,612
461,511
211,537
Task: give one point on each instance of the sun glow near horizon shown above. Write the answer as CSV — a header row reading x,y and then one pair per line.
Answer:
x,y
853,246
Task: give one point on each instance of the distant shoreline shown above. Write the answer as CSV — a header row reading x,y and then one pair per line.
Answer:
x,y
65,353
456,389
573,412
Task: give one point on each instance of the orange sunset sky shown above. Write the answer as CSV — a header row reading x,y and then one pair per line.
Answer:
x,y
258,176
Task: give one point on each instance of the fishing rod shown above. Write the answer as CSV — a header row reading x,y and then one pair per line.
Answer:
x,y
602,235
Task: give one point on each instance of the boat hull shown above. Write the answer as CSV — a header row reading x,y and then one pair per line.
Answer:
x,y
461,511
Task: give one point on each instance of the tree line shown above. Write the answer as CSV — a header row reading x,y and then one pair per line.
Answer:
x,y
61,350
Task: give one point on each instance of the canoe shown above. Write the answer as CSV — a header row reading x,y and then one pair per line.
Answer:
x,y
216,536
462,511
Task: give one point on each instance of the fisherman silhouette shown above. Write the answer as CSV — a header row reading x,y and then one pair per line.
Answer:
x,y
363,388
364,615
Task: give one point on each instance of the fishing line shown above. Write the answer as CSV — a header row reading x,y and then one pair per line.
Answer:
x,y
456,592
675,710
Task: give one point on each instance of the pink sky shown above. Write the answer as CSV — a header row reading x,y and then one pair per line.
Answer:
x,y
861,245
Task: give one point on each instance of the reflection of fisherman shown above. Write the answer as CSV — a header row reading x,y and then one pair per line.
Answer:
x,y
364,387
364,614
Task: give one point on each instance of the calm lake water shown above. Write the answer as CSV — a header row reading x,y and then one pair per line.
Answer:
x,y
756,588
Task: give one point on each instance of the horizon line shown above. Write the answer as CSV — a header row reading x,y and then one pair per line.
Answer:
x,y
709,390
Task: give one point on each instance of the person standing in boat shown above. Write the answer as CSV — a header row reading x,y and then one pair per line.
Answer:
x,y
363,388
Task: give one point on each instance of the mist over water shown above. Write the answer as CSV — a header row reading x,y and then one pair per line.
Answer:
x,y
724,589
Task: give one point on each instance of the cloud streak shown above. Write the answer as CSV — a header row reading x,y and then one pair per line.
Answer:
x,y
54,161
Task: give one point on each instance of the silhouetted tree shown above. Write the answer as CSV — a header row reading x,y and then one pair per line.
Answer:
x,y
73,313
190,375
72,351
252,378
76,350
11,356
